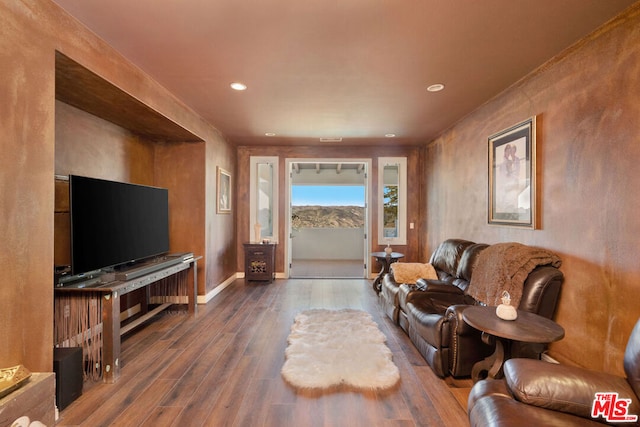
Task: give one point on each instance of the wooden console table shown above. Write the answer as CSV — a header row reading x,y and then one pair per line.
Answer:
x,y
106,298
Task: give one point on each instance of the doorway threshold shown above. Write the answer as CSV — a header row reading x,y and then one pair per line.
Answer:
x,y
327,269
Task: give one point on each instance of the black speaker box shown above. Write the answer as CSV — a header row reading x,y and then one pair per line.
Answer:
x,y
67,364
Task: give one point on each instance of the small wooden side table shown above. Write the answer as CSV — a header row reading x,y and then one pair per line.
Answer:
x,y
259,261
385,260
528,327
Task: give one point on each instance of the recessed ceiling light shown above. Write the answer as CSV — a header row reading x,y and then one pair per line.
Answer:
x,y
435,87
238,86
269,134
390,135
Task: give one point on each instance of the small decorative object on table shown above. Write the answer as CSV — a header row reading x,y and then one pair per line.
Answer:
x,y
505,310
12,378
257,232
388,249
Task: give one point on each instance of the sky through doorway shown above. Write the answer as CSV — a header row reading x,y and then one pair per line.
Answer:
x,y
327,195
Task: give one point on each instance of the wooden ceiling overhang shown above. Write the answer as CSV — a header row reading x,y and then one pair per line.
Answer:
x,y
81,88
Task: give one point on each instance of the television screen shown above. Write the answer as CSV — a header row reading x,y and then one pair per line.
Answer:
x,y
114,223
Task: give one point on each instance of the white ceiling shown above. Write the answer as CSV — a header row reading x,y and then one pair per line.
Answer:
x,y
353,69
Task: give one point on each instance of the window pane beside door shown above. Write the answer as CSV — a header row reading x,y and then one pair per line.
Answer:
x,y
390,200
392,207
263,196
264,202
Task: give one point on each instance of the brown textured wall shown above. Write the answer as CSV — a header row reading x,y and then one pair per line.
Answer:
x,y
220,228
89,146
414,186
26,189
181,169
30,33
588,108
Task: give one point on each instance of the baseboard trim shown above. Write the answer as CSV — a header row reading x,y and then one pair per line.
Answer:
x,y
203,299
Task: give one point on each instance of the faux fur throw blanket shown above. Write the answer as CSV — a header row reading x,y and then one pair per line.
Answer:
x,y
505,267
410,272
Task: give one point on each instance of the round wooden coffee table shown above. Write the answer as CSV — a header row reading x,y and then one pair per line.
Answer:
x,y
528,327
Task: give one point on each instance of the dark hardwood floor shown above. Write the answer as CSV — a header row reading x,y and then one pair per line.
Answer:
x,y
222,367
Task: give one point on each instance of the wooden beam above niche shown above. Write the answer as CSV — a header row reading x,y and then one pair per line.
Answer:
x,y
83,89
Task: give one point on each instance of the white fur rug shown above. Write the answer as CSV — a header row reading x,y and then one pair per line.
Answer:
x,y
328,348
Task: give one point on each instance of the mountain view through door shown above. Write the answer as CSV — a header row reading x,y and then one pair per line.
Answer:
x,y
328,222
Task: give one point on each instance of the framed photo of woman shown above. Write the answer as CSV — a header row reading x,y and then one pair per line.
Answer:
x,y
223,192
512,176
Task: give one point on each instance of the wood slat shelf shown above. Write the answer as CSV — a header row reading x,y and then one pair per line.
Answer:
x,y
109,296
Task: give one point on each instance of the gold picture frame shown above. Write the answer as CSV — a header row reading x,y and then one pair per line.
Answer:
x,y
512,176
223,191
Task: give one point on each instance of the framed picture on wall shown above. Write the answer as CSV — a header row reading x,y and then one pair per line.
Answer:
x,y
223,192
512,176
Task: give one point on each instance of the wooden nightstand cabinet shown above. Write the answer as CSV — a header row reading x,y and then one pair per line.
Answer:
x,y
259,261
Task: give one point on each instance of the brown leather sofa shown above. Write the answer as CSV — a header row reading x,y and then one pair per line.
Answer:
x,y
431,310
544,394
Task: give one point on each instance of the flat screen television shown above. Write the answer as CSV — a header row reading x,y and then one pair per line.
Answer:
x,y
115,223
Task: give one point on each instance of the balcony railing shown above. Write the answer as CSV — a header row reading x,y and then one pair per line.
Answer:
x,y
328,244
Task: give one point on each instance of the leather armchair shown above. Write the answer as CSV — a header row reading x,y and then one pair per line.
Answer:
x,y
550,394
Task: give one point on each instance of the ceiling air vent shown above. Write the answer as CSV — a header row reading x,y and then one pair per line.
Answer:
x,y
334,139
